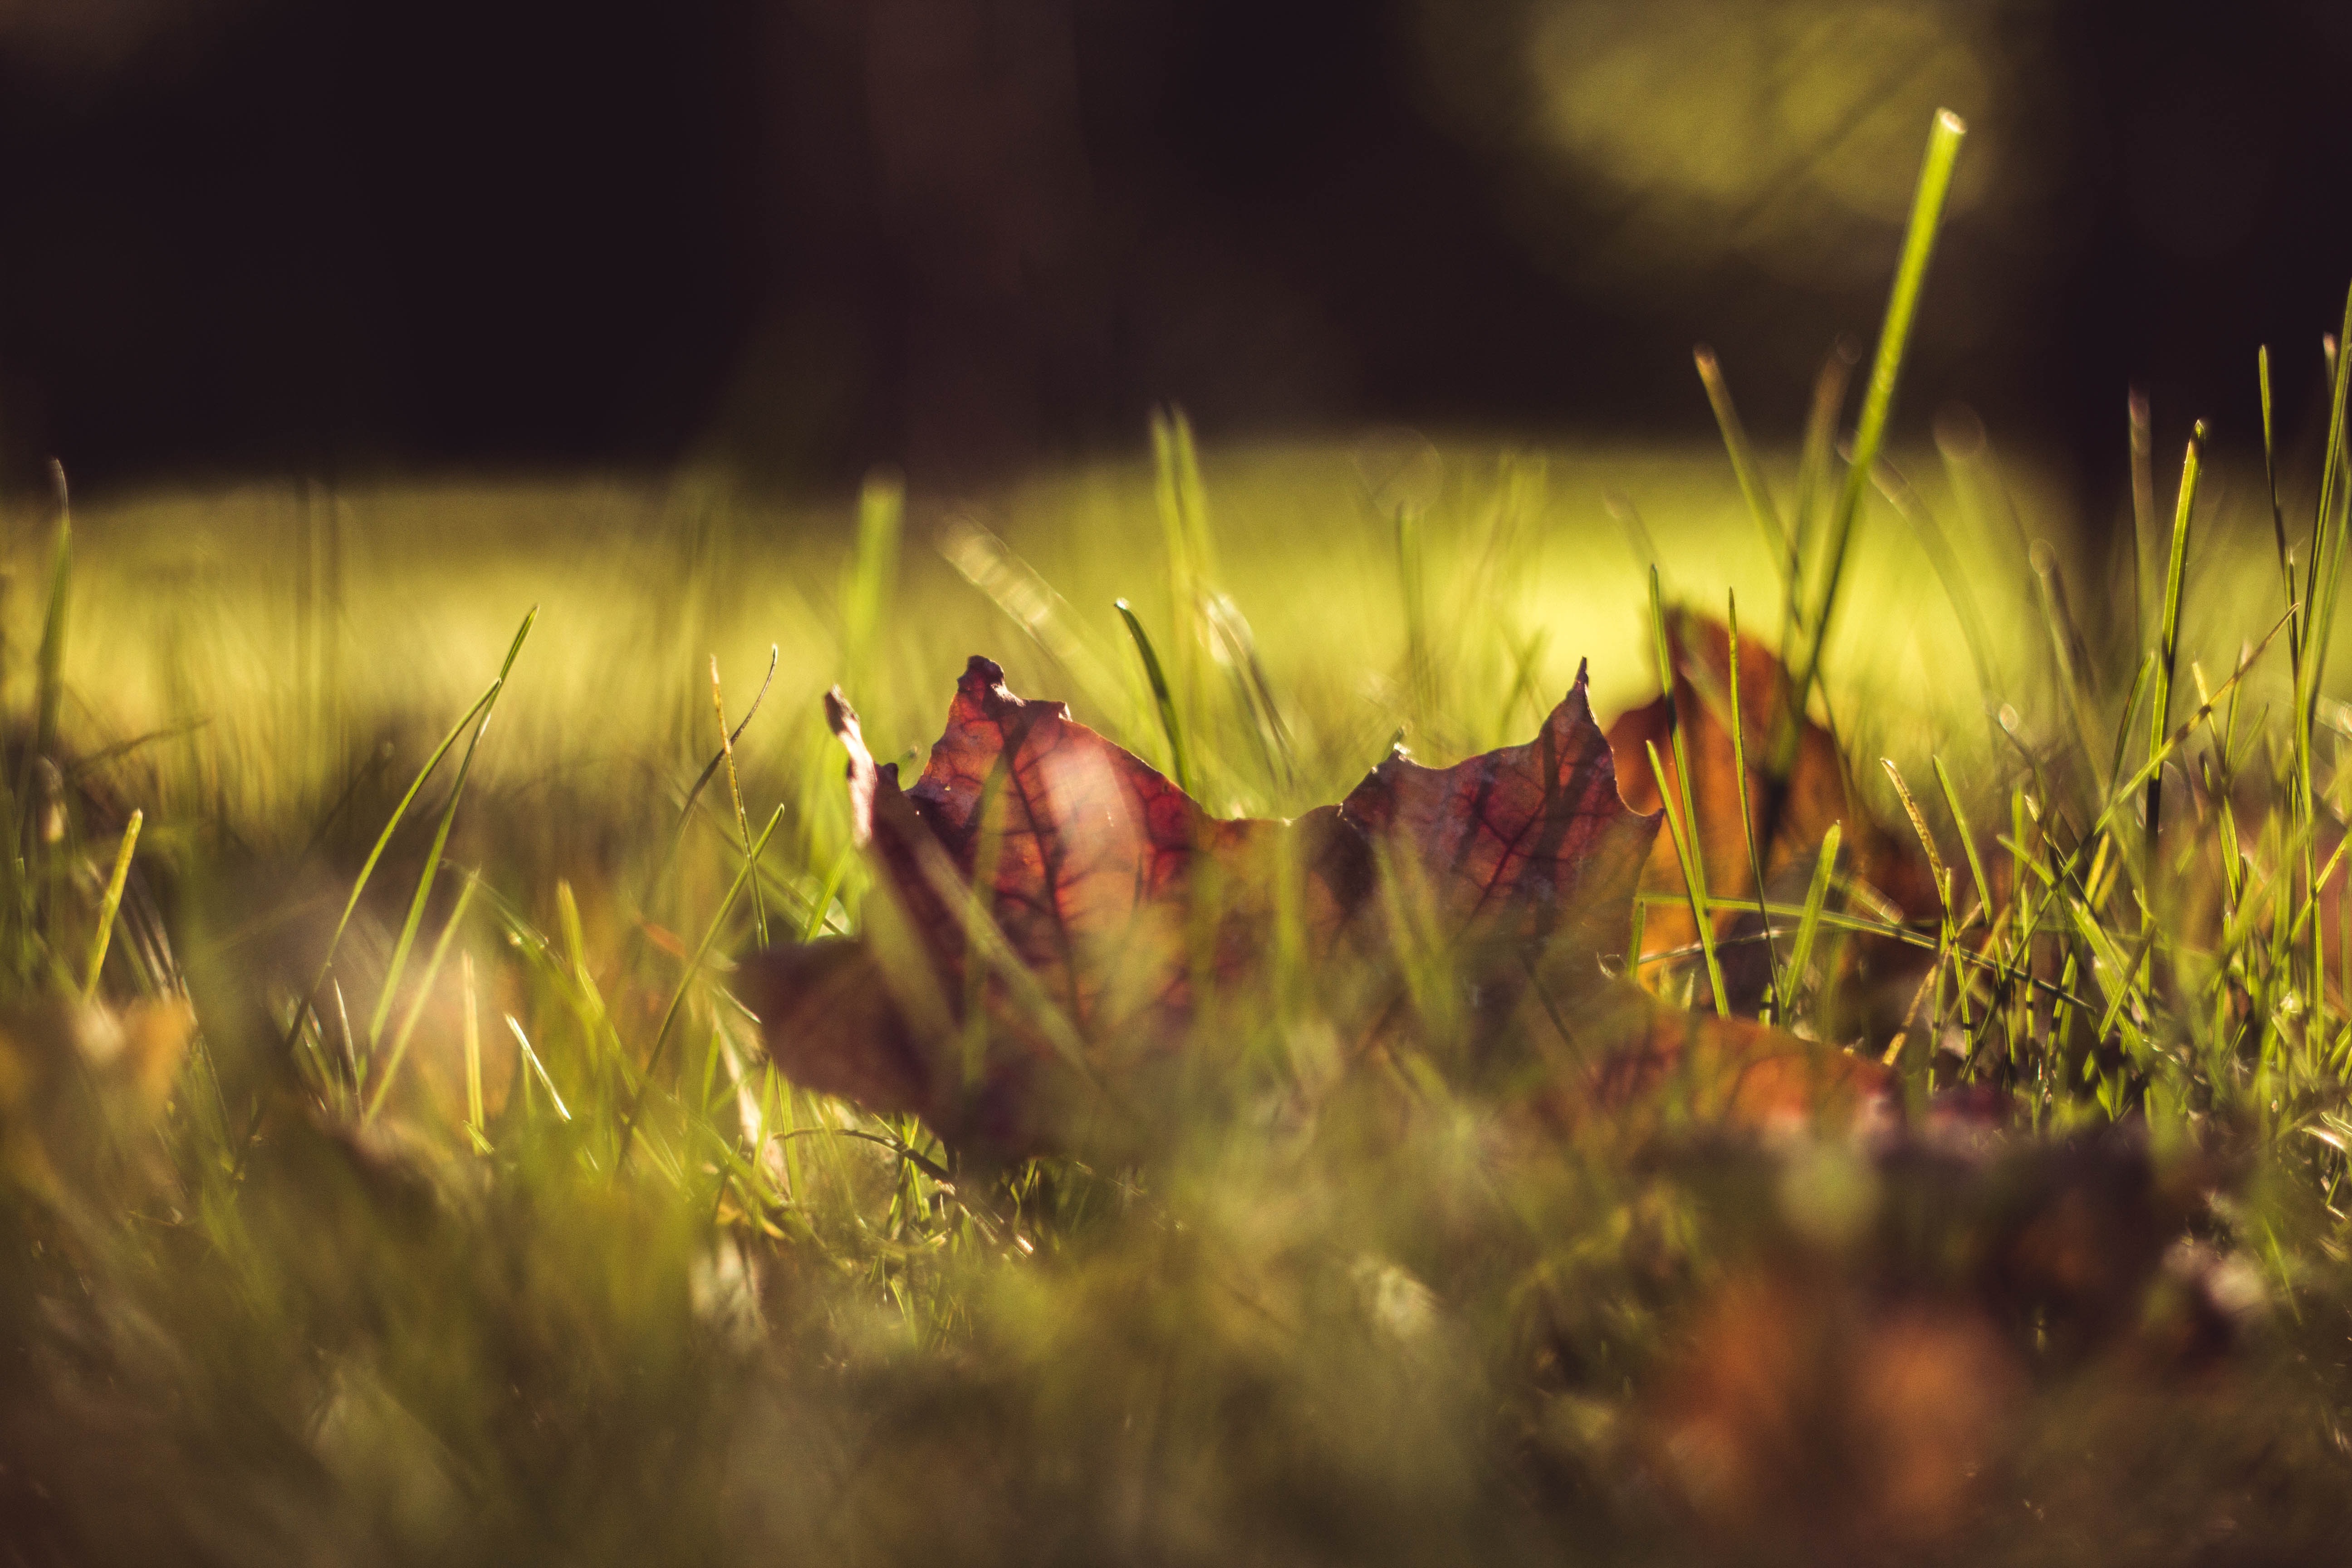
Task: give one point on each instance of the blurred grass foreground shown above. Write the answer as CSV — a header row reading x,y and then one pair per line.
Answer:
x,y
393,1174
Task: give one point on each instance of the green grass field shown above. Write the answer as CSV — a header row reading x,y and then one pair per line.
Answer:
x,y
469,1223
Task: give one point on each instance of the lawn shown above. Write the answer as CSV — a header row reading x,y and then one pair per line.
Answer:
x,y
396,1169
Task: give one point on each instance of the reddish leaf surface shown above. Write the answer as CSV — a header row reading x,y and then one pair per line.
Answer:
x,y
1521,848
1056,923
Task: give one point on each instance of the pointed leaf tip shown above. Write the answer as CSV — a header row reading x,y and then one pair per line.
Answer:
x,y
863,777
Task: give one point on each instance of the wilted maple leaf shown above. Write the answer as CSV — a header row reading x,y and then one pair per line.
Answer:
x,y
1054,920
1050,901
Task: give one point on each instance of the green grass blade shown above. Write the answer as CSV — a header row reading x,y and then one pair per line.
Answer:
x,y
1693,867
1164,699
2278,517
685,983
2327,564
2168,627
735,794
1694,885
110,904
407,1029
1746,815
1878,398
400,950
531,1059
1809,923
1967,839
1936,867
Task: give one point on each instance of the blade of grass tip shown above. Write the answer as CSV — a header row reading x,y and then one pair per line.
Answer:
x,y
1746,815
2278,517
711,769
2121,792
407,1029
735,792
1936,867
1694,863
1967,839
375,853
1878,398
562,1113
399,948
1744,467
685,981
1161,697
2175,562
111,904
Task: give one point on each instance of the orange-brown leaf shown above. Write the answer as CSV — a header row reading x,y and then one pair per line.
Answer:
x,y
1790,823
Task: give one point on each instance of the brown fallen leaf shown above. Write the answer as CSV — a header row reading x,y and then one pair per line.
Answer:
x,y
1790,824
1056,923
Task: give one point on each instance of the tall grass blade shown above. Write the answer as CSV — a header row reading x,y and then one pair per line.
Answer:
x,y
1746,815
110,904
2168,628
1685,835
1878,401
685,983
417,1005
530,1060
399,948
1171,725
473,1043
2278,517
732,738
1809,923
1693,882
1968,838
735,794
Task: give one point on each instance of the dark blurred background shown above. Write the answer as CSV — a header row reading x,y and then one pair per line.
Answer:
x,y
802,237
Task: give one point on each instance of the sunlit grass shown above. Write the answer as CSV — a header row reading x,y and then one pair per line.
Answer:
x,y
469,1223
